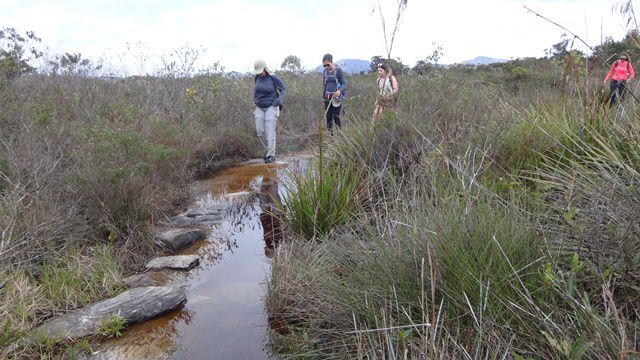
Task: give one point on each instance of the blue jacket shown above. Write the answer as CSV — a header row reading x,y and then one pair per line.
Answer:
x,y
265,94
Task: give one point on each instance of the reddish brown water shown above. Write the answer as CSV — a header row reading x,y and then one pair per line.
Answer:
x,y
224,317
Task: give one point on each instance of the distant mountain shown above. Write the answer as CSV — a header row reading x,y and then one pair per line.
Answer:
x,y
351,66
483,60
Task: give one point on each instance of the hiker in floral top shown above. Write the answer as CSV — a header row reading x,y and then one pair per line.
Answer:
x,y
387,89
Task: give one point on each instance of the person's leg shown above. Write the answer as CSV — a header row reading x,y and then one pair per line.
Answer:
x,y
271,118
622,88
377,110
328,109
259,115
613,88
336,115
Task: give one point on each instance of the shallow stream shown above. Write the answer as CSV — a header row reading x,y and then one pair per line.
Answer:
x,y
224,317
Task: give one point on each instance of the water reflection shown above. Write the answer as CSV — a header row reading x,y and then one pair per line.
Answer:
x,y
224,316
269,196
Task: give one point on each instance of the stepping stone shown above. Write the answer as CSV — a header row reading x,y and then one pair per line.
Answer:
x,y
177,239
209,223
195,220
194,213
209,218
133,306
237,194
178,262
147,279
178,221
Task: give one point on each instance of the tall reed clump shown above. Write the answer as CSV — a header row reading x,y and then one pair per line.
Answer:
x,y
321,197
349,174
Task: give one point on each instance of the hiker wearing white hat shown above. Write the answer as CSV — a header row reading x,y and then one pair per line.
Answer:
x,y
267,96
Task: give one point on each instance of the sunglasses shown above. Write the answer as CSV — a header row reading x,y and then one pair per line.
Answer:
x,y
326,65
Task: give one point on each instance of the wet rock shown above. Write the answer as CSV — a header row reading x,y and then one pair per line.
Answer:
x,y
208,223
180,221
176,239
178,262
209,218
237,194
196,218
147,279
192,213
133,306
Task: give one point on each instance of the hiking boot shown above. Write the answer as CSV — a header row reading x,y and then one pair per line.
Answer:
x,y
269,159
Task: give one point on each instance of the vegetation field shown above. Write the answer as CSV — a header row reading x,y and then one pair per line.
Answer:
x,y
491,212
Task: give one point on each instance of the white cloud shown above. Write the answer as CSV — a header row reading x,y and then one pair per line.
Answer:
x,y
235,32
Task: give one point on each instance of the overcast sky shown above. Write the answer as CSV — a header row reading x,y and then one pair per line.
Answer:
x,y
235,32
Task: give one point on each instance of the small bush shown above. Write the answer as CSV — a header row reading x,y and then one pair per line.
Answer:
x,y
111,326
223,151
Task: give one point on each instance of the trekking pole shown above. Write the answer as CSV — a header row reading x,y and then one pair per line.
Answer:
x,y
633,95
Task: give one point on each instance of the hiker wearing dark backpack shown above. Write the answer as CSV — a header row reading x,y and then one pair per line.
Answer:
x,y
267,97
333,91
387,89
618,76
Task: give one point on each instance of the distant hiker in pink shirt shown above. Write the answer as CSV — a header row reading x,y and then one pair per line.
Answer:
x,y
618,76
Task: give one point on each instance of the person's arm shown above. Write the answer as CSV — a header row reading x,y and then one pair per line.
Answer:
x,y
341,82
631,73
394,85
255,97
610,73
324,82
281,90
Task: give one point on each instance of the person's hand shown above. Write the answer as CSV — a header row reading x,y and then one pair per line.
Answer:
x,y
336,94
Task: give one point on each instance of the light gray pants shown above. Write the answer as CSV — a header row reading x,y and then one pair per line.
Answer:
x,y
266,120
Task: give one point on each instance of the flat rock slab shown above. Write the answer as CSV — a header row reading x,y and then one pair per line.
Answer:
x,y
153,278
178,262
210,211
195,220
237,194
177,239
133,306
